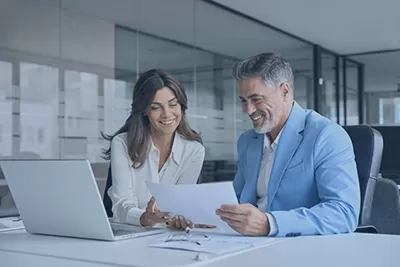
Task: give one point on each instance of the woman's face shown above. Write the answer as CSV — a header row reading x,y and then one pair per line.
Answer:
x,y
164,112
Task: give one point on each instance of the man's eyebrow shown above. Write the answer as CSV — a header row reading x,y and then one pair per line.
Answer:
x,y
252,96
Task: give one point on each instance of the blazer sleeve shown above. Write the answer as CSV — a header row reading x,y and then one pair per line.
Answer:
x,y
239,181
338,189
122,192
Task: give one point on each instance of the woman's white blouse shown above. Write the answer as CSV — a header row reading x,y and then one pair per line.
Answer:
x,y
129,193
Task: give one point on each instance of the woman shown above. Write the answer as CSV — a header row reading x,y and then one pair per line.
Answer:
x,y
156,144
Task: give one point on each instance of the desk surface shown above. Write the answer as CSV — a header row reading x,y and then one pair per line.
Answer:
x,y
131,252
329,251
13,259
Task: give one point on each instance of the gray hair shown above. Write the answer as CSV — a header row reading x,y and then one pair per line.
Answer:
x,y
272,68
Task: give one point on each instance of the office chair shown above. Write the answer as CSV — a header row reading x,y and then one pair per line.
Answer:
x,y
368,149
385,214
106,198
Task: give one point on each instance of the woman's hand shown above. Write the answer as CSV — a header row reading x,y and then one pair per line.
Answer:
x,y
152,215
179,222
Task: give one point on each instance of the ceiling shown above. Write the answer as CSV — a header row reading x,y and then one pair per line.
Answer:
x,y
194,23
342,26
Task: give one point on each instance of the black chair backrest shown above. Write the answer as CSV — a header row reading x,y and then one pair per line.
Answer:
x,y
368,149
106,199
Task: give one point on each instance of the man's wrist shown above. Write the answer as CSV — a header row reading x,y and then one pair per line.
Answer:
x,y
267,225
273,226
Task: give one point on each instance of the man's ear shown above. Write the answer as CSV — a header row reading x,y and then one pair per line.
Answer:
x,y
285,89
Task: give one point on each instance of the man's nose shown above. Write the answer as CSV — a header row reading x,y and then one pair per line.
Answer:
x,y
249,108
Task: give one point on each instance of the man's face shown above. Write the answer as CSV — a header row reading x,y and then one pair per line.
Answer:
x,y
264,104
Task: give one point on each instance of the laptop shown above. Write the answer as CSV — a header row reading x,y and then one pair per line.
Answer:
x,y
61,198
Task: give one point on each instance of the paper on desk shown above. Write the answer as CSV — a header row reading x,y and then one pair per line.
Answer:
x,y
218,244
11,224
209,247
196,202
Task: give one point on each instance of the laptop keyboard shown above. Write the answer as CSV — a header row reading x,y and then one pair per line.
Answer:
x,y
119,232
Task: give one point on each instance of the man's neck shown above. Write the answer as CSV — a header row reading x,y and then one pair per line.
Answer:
x,y
285,116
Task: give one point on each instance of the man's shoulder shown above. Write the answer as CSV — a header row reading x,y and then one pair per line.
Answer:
x,y
247,135
316,123
320,127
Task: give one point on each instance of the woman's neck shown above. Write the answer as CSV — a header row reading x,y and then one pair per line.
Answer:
x,y
162,142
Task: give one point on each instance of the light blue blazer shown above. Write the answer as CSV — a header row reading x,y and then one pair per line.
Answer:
x,y
313,187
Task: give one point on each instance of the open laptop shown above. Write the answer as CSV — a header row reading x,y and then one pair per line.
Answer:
x,y
61,197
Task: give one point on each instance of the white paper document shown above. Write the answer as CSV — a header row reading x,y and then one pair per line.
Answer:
x,y
217,244
11,224
196,202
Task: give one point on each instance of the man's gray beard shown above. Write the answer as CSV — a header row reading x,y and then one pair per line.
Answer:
x,y
265,128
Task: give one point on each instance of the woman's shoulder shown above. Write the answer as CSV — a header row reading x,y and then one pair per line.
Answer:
x,y
120,138
191,145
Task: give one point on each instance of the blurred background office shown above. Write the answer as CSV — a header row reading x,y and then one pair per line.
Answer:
x,y
67,69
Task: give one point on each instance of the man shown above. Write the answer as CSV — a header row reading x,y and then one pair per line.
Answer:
x,y
296,169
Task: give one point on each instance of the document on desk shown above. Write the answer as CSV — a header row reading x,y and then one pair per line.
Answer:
x,y
196,202
217,244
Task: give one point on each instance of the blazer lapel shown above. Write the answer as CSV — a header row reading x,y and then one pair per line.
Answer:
x,y
254,155
288,143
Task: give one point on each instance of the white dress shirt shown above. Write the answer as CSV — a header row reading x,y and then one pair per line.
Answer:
x,y
129,193
267,163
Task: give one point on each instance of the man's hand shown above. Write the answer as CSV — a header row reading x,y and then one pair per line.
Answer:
x,y
245,219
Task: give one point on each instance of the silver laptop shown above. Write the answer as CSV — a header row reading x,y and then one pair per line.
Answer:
x,y
61,197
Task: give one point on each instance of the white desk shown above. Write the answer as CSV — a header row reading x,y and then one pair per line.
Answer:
x,y
12,259
131,252
329,251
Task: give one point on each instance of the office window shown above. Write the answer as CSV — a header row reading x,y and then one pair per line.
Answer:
x,y
381,86
117,104
5,108
327,105
38,109
352,116
82,106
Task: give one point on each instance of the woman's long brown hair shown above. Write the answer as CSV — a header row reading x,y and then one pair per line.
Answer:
x,y
137,125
